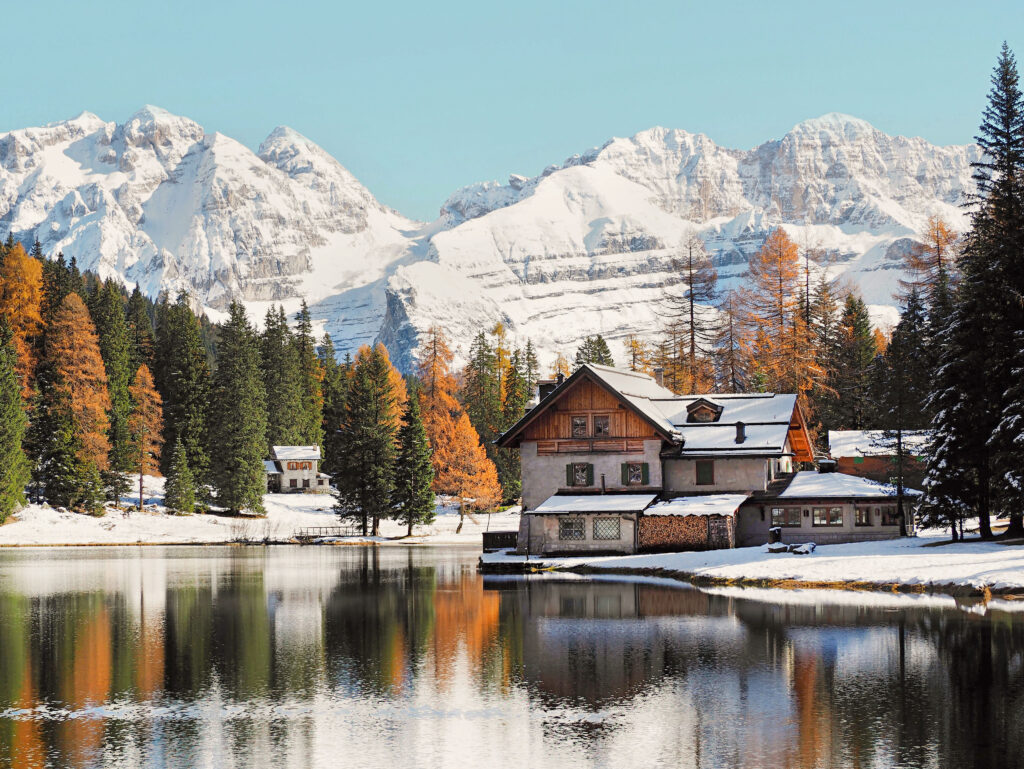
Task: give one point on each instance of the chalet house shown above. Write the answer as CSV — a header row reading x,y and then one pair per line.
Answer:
x,y
872,454
612,461
294,469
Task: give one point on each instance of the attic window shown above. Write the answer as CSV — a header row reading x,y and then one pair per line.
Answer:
x,y
703,415
703,410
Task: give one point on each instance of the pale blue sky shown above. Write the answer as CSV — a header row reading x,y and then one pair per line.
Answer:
x,y
420,98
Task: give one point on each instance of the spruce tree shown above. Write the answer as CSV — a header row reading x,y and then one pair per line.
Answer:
x,y
140,331
14,466
594,350
365,478
849,406
107,311
237,418
183,378
480,392
335,390
413,497
179,488
311,415
281,380
531,366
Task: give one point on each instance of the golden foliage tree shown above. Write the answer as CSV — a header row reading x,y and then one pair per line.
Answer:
x,y
465,471
438,405
783,355
560,366
691,326
21,294
73,352
639,356
145,425
934,260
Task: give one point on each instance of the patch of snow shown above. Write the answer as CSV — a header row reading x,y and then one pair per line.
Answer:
x,y
808,483
710,504
595,503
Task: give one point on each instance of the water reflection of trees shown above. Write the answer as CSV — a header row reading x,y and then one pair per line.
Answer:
x,y
701,679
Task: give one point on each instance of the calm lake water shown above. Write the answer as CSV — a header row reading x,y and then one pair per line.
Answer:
x,y
406,657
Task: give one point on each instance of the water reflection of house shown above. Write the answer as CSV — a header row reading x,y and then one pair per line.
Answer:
x,y
612,461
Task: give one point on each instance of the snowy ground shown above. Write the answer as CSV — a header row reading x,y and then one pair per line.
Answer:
x,y
286,514
925,562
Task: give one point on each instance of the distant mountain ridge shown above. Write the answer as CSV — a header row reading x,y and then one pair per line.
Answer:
x,y
585,246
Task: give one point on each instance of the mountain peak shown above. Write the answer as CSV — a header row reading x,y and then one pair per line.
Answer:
x,y
835,121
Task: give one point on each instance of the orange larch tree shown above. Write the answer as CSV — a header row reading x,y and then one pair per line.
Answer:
x,y
465,471
21,294
145,425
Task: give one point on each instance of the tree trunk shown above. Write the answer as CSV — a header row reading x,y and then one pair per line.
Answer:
x,y
1016,527
458,528
409,533
140,492
364,524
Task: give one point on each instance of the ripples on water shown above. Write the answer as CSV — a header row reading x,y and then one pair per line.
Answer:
x,y
405,657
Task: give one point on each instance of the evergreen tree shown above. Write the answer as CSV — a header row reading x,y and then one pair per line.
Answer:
x,y
506,461
183,378
311,415
902,375
14,467
179,487
237,418
594,350
848,405
145,424
365,480
531,367
140,331
480,392
282,382
335,391
413,497
107,311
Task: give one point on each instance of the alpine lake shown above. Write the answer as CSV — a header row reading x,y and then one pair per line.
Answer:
x,y
398,657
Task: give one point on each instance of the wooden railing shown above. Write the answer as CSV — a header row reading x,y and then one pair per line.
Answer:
x,y
311,533
499,540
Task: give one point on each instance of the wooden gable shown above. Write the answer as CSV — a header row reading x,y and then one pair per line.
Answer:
x,y
799,438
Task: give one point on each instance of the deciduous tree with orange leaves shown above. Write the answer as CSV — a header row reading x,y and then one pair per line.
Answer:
x,y
465,471
145,424
21,294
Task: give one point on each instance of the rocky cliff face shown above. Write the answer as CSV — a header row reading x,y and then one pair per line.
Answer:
x,y
586,246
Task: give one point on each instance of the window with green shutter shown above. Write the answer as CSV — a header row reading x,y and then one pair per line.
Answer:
x,y
705,472
579,474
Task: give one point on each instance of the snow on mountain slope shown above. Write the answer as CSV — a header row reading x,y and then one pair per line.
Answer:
x,y
583,247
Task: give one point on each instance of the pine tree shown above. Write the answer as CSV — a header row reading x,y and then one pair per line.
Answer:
x,y
594,350
145,425
14,466
237,418
531,366
140,331
902,376
413,497
311,415
506,461
481,393
365,479
107,311
335,391
179,487
848,406
21,295
183,378
282,381
688,315
77,403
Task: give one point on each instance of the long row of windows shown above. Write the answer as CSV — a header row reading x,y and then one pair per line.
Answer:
x,y
864,515
575,529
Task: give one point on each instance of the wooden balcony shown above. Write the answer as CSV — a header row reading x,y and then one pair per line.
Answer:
x,y
591,446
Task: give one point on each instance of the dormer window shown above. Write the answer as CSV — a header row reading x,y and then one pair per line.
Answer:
x,y
703,410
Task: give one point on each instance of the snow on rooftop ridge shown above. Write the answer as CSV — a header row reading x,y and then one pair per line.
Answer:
x,y
708,504
296,452
808,483
595,503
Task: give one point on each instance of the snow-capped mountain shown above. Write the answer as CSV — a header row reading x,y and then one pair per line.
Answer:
x,y
585,246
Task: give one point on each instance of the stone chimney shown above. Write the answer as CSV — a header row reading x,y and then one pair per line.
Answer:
x,y
659,376
741,432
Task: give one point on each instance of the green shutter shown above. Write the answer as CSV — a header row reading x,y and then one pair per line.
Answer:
x,y
646,474
625,474
590,475
568,475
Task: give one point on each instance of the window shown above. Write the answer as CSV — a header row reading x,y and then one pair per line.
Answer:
x,y
579,474
705,472
602,426
606,528
292,483
305,483
828,516
571,529
862,516
635,474
579,427
890,516
786,516
703,415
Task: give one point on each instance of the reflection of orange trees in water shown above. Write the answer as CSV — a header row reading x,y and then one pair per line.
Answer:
x,y
87,683
27,749
395,672
149,661
466,616
814,732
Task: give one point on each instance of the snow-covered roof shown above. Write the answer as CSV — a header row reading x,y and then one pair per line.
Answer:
x,y
811,484
709,504
873,443
595,503
296,452
641,390
271,467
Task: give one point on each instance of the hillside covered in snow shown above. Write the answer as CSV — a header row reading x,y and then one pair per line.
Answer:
x,y
585,246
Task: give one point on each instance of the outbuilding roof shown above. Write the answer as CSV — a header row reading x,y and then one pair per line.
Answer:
x,y
809,484
874,443
271,467
708,504
293,453
595,503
